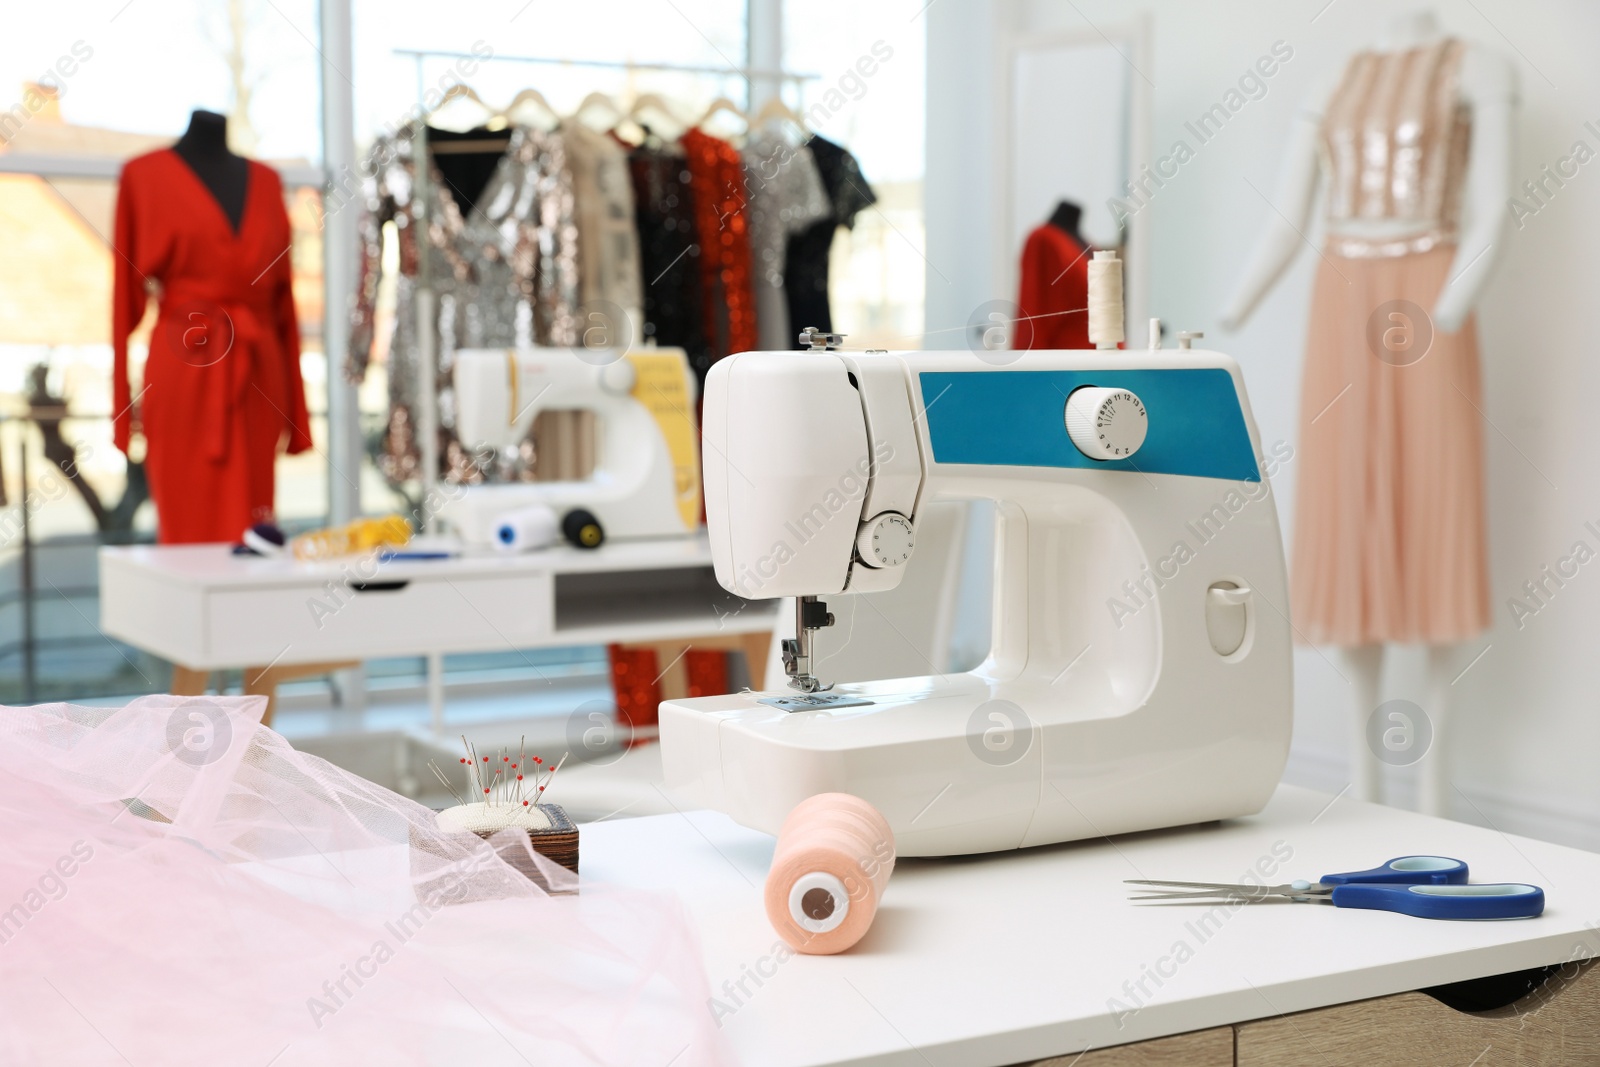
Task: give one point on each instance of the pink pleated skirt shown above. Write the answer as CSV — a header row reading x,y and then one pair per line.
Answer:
x,y
1390,540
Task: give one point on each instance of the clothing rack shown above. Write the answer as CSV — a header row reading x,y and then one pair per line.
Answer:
x,y
425,299
749,73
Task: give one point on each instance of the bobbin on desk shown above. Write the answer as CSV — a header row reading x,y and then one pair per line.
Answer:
x,y
203,608
1019,957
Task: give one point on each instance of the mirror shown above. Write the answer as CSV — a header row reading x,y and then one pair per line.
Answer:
x,y
1074,119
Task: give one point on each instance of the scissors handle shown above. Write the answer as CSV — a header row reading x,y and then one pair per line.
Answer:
x,y
1406,870
1504,901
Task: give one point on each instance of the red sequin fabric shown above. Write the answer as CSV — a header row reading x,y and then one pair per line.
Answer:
x,y
722,220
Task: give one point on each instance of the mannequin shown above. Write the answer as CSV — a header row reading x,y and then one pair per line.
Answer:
x,y
1485,86
204,147
1067,217
222,389
1053,284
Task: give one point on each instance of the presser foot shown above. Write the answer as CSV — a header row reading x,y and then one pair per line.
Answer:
x,y
810,615
800,679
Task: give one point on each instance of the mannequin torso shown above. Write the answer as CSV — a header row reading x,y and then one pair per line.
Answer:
x,y
1484,86
1487,87
204,147
1066,217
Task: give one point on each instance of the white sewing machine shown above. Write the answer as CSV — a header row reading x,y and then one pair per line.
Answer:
x,y
645,481
1139,674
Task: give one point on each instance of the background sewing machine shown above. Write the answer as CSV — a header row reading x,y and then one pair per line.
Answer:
x,y
1139,674
645,478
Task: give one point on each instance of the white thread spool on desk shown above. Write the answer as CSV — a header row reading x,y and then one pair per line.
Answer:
x,y
526,529
1105,299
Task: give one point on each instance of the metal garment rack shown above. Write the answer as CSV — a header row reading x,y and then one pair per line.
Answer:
x,y
425,299
796,77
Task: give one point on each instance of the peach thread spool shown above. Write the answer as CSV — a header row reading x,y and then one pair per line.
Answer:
x,y
834,856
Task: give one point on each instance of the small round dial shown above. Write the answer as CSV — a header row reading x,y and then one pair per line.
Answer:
x,y
1106,424
886,540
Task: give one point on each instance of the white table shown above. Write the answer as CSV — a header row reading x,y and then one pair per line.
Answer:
x,y
206,609
1008,958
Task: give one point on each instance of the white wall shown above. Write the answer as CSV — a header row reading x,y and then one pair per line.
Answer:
x,y
958,193
1526,718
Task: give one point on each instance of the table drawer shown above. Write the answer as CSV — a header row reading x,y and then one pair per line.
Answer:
x,y
1557,1025
306,622
1202,1048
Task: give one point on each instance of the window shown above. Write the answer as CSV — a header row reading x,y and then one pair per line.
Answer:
x,y
869,99
79,94
84,87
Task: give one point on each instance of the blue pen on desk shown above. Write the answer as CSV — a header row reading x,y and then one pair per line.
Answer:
x,y
1429,887
387,555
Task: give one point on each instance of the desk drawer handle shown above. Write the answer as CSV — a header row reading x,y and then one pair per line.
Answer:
x,y
380,587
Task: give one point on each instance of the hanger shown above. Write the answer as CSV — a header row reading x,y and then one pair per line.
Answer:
x,y
722,103
460,91
599,99
776,110
649,101
529,96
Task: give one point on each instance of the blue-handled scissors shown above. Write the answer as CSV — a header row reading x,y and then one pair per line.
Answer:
x,y
1430,887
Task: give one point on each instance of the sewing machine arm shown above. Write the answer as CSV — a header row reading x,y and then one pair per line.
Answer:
x,y
813,472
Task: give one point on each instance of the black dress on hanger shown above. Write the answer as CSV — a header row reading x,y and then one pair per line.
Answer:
x,y
669,251
805,278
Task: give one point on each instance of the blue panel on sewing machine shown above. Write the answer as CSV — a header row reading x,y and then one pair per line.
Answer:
x,y
1016,418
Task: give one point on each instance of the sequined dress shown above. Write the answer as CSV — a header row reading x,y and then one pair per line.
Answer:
x,y
727,299
1390,541
669,251
786,198
805,279
505,272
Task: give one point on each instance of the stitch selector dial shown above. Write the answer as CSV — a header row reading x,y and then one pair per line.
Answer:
x,y
1106,424
886,540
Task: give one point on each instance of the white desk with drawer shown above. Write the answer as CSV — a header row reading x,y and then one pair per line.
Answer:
x,y
1037,956
205,609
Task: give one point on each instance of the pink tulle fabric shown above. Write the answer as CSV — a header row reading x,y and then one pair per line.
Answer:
x,y
179,886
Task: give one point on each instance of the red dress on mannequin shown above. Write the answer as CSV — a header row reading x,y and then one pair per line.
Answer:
x,y
1054,294
222,387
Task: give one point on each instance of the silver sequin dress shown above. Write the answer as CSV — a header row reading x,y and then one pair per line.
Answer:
x,y
506,274
786,197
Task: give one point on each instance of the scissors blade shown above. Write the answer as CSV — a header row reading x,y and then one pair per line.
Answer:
x,y
1215,902
1237,888
1194,894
